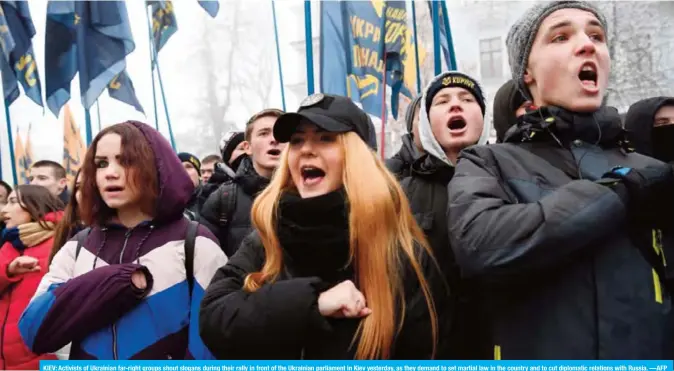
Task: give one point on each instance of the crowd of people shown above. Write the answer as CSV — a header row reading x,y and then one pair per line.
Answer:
x,y
299,242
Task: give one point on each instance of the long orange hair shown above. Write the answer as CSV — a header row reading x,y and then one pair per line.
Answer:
x,y
383,234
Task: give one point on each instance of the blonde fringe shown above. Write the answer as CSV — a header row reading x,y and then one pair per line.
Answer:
x,y
382,231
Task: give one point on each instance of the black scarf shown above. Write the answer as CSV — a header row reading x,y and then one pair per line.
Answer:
x,y
314,233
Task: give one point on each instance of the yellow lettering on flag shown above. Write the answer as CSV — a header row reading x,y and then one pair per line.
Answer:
x,y
378,6
73,145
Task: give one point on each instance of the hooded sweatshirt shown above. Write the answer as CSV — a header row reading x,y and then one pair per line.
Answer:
x,y
426,189
657,142
428,141
506,101
88,298
647,140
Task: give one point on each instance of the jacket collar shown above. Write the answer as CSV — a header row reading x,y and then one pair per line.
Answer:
x,y
431,168
562,126
246,176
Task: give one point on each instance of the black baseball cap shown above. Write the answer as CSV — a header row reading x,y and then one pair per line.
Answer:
x,y
331,113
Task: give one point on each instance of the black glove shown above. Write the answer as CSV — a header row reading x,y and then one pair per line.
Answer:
x,y
648,193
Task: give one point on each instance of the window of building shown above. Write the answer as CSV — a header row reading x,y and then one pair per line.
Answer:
x,y
491,58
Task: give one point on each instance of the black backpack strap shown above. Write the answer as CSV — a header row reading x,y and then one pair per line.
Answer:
x,y
227,205
190,239
80,237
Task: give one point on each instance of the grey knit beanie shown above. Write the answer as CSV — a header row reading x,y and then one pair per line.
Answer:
x,y
523,33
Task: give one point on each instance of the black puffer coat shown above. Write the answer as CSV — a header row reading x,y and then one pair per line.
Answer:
x,y
564,277
247,184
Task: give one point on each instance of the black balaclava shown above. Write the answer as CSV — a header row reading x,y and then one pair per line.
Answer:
x,y
663,143
647,139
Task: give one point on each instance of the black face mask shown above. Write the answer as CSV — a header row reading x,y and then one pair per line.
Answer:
x,y
663,143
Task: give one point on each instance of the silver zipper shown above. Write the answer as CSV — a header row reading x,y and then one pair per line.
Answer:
x,y
302,353
114,342
126,240
114,326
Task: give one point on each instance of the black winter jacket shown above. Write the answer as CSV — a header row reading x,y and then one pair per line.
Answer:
x,y
563,277
426,189
658,144
248,185
281,319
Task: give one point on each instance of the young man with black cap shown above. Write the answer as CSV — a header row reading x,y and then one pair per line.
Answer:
x,y
233,149
192,166
549,222
226,211
451,118
411,147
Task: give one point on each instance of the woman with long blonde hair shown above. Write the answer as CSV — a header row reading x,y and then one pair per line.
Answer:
x,y
337,268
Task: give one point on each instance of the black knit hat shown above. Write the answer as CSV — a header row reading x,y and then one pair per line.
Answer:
x,y
228,144
192,159
507,100
451,79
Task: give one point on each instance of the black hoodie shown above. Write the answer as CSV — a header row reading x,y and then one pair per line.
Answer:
x,y
640,132
655,142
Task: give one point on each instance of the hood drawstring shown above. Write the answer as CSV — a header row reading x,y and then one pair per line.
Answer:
x,y
138,246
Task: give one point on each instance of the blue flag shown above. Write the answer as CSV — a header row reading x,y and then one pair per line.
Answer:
x,y
443,21
164,23
355,36
210,6
89,37
121,88
18,62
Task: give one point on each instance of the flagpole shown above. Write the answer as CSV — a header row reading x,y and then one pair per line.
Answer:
x,y
11,144
87,119
416,46
448,33
154,64
309,42
383,113
152,60
98,113
278,56
163,97
436,37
